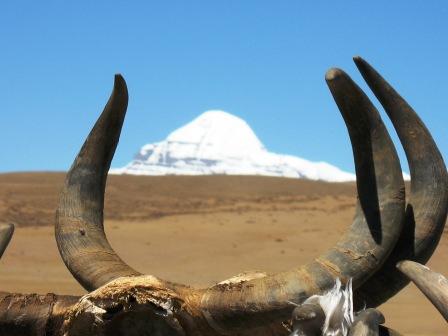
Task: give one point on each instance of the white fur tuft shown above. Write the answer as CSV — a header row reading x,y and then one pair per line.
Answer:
x,y
337,305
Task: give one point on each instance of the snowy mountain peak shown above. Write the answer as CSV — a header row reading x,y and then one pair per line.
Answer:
x,y
217,142
217,133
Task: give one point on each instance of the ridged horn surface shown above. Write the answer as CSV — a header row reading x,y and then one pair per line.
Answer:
x,y
79,228
428,201
6,232
360,252
432,284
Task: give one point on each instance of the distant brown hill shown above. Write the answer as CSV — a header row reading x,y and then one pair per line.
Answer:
x,y
30,199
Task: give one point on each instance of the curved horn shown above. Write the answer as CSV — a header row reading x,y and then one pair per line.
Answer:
x,y
80,233
359,253
428,202
6,232
432,284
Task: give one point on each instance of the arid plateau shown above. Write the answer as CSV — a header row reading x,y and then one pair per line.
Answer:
x,y
197,230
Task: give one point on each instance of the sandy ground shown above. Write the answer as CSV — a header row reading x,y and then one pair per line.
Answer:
x,y
197,230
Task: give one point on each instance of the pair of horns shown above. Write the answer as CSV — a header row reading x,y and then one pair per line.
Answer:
x,y
382,232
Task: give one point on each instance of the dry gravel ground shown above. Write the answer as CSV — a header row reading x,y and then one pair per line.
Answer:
x,y
197,230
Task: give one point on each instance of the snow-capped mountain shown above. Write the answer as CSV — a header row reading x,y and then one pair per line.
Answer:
x,y
218,142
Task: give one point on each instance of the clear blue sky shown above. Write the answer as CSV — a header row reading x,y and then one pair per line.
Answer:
x,y
261,60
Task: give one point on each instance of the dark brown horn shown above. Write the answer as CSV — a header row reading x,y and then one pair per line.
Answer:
x,y
367,323
80,233
428,202
308,319
432,284
385,331
359,253
6,232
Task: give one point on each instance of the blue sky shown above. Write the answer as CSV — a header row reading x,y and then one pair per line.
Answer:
x,y
261,60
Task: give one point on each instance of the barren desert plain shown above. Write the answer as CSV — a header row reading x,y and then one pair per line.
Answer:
x,y
197,230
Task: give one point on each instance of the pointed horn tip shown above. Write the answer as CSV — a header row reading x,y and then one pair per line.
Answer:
x,y
401,264
9,226
334,74
361,64
7,230
119,80
408,265
358,59
120,85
